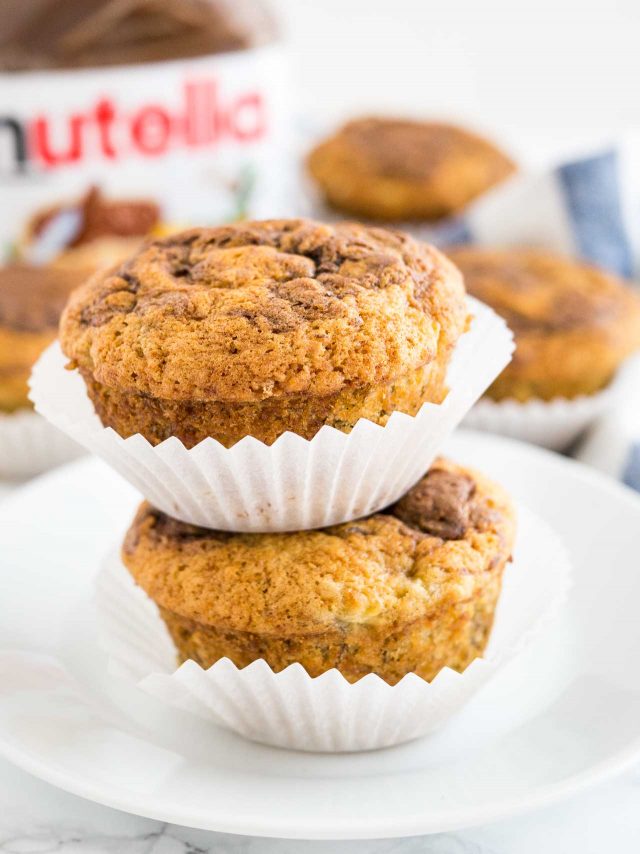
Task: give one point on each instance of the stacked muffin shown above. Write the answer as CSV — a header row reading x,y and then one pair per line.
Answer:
x,y
411,589
260,328
256,329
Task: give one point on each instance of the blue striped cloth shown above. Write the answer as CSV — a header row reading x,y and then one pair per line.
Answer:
x,y
631,466
576,208
613,444
590,190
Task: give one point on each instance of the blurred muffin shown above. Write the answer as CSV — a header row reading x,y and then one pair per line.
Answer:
x,y
91,233
31,301
99,254
411,589
573,323
256,328
394,169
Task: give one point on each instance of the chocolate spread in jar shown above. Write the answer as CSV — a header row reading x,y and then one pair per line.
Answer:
x,y
41,34
102,217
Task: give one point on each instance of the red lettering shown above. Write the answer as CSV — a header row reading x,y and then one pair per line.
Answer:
x,y
203,119
199,116
41,142
104,115
151,130
248,120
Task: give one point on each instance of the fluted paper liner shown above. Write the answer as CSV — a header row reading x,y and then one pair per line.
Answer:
x,y
295,483
327,713
553,424
30,445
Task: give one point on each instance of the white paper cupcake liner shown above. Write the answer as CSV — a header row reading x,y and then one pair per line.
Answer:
x,y
295,483
30,445
553,424
327,713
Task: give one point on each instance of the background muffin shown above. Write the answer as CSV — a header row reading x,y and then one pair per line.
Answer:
x,y
411,589
394,169
31,301
573,323
262,327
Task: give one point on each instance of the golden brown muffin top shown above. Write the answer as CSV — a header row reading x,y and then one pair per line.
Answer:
x,y
32,298
253,310
412,559
410,150
539,292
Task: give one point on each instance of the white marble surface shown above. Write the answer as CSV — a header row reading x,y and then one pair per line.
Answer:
x,y
36,818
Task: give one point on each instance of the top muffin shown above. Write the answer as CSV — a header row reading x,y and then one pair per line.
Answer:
x,y
262,327
573,323
393,169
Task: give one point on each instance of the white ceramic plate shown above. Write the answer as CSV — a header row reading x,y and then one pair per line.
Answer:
x,y
561,717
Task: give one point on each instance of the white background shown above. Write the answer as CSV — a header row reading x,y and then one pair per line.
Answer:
x,y
549,69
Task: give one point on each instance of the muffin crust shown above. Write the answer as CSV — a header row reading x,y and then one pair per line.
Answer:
x,y
573,323
261,327
410,589
394,169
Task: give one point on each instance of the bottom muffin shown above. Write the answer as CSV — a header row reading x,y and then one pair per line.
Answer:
x,y
410,589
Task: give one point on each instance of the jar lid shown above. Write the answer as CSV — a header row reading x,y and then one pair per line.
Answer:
x,y
40,34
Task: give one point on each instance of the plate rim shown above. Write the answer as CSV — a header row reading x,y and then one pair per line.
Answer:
x,y
500,811
278,826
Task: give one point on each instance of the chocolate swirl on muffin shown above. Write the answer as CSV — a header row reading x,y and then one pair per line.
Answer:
x,y
385,594
259,328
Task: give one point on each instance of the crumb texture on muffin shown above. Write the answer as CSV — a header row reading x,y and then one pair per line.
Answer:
x,y
397,169
411,589
573,323
277,311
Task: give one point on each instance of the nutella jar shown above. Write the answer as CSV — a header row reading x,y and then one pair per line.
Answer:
x,y
139,115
